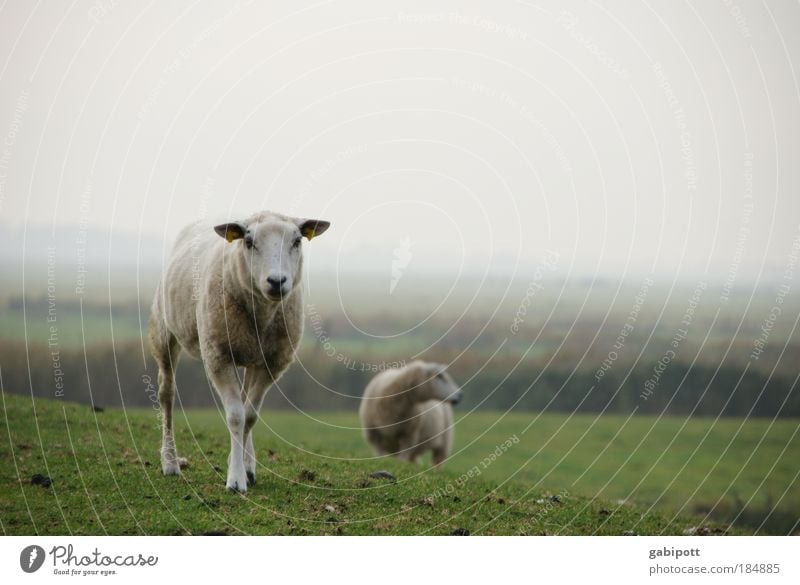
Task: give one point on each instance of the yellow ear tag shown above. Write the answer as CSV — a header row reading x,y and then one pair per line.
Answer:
x,y
229,236
310,234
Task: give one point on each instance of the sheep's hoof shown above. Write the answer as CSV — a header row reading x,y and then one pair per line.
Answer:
x,y
183,462
251,478
236,486
170,467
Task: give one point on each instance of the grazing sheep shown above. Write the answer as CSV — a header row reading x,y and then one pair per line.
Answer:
x,y
407,411
231,301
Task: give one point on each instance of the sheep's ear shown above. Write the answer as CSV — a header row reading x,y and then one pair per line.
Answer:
x,y
436,369
230,231
311,228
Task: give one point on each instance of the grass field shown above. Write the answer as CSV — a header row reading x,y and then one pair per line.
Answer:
x,y
674,463
314,475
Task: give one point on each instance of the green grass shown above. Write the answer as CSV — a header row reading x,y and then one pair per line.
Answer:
x,y
675,463
314,477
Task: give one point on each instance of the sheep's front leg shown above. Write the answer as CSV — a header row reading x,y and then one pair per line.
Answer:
x,y
408,448
227,386
256,383
249,456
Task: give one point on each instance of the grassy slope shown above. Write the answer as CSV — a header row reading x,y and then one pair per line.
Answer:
x,y
696,463
106,479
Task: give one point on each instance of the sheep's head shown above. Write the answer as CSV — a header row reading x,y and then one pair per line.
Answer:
x,y
272,248
437,384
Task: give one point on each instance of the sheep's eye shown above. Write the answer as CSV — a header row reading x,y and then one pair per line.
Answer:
x,y
248,242
296,243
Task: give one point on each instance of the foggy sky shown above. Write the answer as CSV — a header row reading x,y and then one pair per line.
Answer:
x,y
639,138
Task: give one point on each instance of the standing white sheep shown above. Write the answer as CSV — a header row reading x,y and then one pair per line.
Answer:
x,y
407,411
232,302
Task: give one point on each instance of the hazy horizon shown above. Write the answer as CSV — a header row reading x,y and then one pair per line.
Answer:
x,y
100,248
630,140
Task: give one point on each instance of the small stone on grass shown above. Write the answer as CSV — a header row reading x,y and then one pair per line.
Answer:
x,y
383,474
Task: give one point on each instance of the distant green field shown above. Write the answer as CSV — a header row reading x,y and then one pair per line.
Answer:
x,y
693,465
71,329
314,476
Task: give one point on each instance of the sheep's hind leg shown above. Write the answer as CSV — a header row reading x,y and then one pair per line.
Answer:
x,y
227,386
408,452
256,383
166,351
439,455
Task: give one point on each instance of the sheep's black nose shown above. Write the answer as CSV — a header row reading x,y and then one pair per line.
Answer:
x,y
276,282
